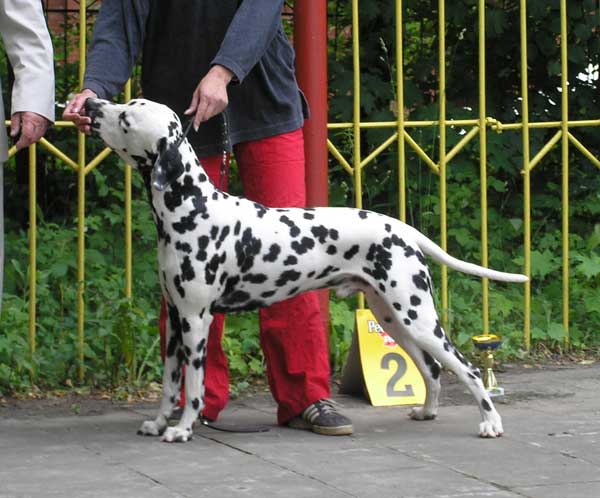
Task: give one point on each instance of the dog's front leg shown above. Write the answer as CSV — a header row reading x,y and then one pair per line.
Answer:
x,y
172,372
193,350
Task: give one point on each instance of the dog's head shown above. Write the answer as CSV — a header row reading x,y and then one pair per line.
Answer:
x,y
144,133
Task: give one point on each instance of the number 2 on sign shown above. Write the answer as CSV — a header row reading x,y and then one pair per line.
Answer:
x,y
401,368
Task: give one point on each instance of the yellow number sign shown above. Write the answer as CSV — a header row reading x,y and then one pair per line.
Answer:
x,y
390,376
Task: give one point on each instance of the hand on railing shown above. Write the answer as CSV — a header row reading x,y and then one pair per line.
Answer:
x,y
27,128
75,111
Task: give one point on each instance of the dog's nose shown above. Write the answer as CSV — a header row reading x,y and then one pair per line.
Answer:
x,y
91,105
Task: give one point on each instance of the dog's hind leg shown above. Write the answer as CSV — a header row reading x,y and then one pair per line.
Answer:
x,y
418,318
192,352
430,369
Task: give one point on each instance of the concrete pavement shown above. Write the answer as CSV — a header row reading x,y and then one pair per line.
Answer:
x,y
551,449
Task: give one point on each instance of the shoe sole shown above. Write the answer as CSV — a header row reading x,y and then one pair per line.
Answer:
x,y
341,430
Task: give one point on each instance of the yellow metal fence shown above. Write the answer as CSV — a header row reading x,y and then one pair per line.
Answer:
x,y
400,134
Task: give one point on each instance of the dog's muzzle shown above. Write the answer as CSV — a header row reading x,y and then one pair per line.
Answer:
x,y
92,109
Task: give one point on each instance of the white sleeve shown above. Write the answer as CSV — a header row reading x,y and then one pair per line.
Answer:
x,y
29,49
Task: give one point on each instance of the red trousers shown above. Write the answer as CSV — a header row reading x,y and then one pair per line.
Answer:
x,y
292,335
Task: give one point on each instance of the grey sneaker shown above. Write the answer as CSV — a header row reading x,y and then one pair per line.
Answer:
x,y
323,418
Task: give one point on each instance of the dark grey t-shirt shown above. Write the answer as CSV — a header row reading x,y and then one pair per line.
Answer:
x,y
180,40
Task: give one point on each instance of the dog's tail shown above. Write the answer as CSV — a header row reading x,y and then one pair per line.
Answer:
x,y
437,253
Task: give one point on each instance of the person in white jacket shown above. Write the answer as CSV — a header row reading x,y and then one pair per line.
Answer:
x,y
29,48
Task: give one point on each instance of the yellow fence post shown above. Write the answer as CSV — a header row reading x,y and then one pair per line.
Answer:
x,y
32,249
442,155
565,165
526,177
81,201
356,119
483,165
400,112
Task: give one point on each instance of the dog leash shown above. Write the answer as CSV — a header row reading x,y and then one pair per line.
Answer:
x,y
224,161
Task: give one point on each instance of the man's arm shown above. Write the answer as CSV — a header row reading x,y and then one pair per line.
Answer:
x,y
116,43
29,49
250,33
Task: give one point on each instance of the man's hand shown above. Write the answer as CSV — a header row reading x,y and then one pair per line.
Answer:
x,y
210,96
76,112
31,127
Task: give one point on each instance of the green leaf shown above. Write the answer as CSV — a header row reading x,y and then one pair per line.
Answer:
x,y
556,331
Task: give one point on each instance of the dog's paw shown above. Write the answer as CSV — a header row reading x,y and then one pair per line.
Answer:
x,y
490,429
177,434
150,428
419,413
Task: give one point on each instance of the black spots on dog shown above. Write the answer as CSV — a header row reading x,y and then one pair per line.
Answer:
x,y
187,270
160,229
203,242
485,405
178,286
350,253
246,249
327,272
397,306
287,276
363,214
274,251
308,216
415,300
175,338
421,258
459,356
186,223
420,281
198,363
210,271
434,366
322,233
202,178
268,294
200,346
231,283
311,274
255,278
196,404
331,250
123,121
438,331
222,236
382,262
260,209
412,314
382,287
173,127
302,247
183,247
407,321
388,227
387,319
293,291
237,228
290,260
294,229
393,284
214,231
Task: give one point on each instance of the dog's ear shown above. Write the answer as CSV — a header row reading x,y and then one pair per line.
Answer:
x,y
168,166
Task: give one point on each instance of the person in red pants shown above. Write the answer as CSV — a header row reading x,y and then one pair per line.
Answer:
x,y
291,332
245,63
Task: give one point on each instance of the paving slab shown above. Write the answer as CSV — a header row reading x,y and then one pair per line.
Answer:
x,y
551,449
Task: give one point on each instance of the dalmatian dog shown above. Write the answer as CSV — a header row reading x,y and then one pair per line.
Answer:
x,y
221,253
